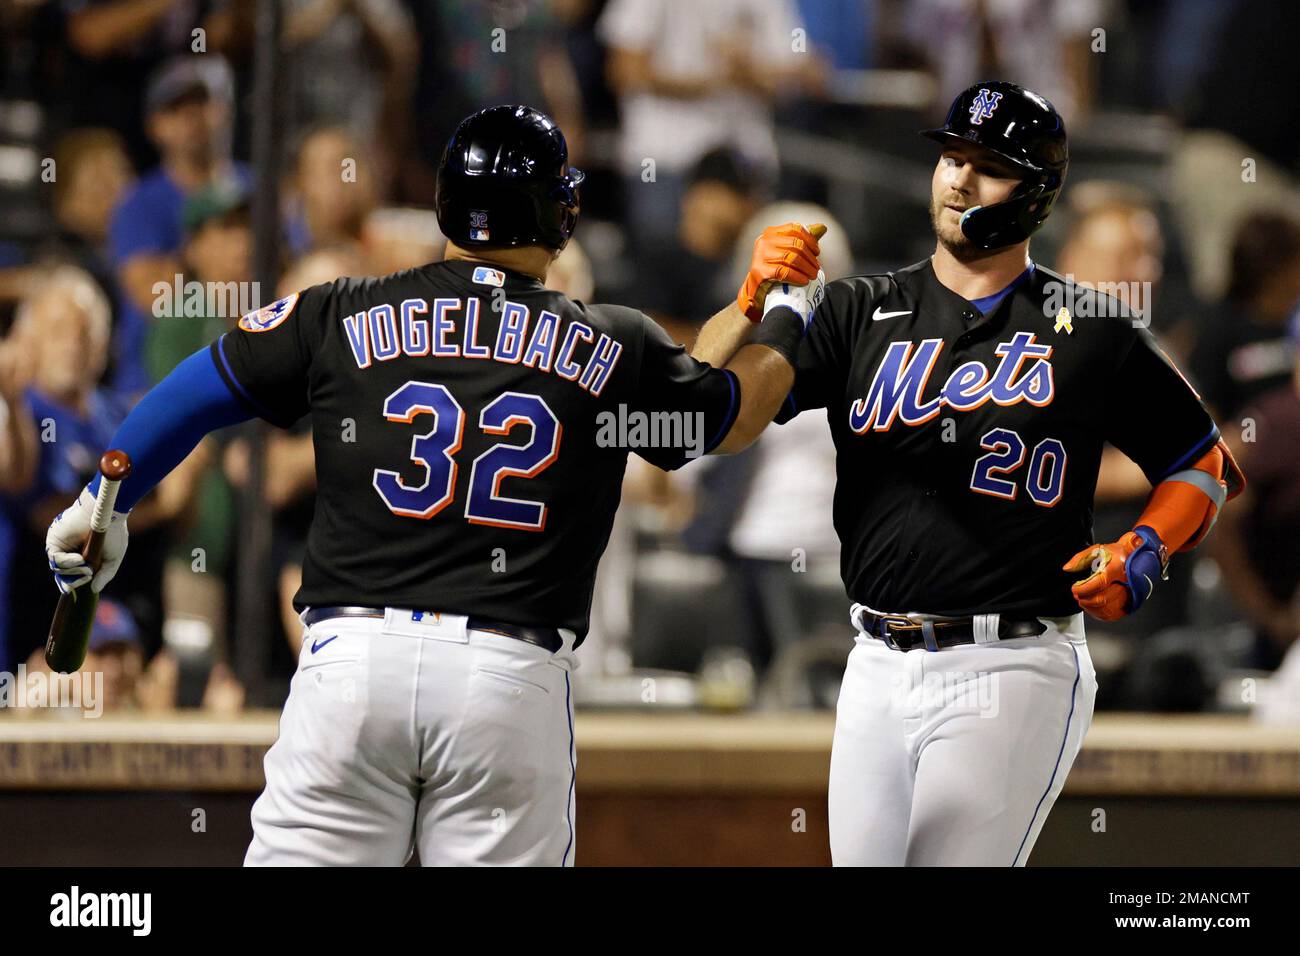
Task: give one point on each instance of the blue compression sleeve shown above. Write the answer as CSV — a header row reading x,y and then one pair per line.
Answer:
x,y
170,421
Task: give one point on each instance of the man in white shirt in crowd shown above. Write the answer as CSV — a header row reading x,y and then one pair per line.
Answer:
x,y
692,76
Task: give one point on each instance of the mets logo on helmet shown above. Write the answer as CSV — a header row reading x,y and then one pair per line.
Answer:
x,y
984,106
269,316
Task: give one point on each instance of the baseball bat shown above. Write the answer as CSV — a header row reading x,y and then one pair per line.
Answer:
x,y
65,649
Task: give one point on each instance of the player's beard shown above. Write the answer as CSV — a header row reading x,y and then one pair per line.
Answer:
x,y
952,238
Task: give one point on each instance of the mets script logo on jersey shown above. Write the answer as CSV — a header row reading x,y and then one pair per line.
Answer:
x,y
269,316
1024,374
984,106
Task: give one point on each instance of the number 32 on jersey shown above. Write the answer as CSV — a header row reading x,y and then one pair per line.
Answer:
x,y
435,450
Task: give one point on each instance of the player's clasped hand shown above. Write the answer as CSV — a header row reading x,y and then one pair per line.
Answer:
x,y
1124,574
67,535
786,253
803,299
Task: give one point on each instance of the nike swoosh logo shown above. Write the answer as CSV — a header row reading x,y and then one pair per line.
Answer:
x,y
317,645
878,315
1151,586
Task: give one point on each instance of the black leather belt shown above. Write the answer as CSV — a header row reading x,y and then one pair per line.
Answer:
x,y
545,637
904,634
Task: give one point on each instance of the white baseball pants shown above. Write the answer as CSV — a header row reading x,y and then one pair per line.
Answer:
x,y
954,757
412,731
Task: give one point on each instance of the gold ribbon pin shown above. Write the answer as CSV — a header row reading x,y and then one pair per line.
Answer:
x,y
1063,321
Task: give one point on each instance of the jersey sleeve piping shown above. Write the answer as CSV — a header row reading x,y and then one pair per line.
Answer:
x,y
1195,452
233,383
733,410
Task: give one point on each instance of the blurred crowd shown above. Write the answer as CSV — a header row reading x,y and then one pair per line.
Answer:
x,y
127,242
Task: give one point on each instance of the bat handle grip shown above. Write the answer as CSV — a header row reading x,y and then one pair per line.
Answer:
x,y
69,637
114,466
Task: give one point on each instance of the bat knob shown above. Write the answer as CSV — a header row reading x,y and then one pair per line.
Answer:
x,y
115,464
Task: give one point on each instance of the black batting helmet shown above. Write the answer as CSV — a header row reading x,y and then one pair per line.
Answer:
x,y
505,181
1025,130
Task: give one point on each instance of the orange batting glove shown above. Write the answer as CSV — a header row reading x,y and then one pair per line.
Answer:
x,y
1124,574
786,253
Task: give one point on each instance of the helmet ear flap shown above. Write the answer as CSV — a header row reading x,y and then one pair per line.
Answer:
x,y
1034,207
1014,219
565,190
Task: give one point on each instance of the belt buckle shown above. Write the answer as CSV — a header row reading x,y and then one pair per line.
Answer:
x,y
886,620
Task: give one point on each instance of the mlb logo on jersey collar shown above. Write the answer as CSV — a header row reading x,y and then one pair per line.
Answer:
x,y
485,276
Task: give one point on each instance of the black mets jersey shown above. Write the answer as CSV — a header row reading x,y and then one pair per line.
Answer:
x,y
968,445
471,430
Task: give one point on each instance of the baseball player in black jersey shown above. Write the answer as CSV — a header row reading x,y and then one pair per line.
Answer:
x,y
471,429
970,397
